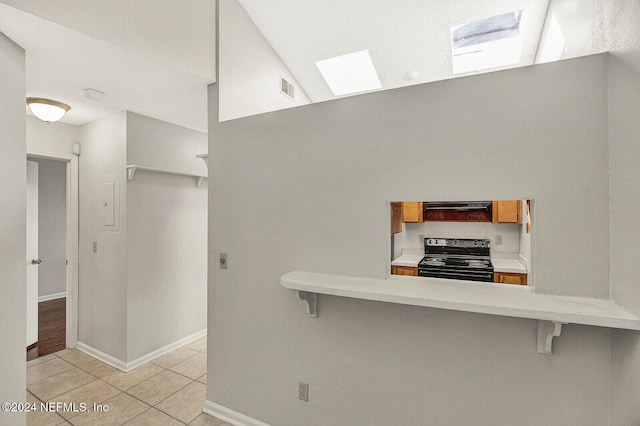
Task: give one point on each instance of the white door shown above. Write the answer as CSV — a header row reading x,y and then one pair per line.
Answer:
x,y
32,252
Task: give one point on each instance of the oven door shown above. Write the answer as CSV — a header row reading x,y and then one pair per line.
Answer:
x,y
456,274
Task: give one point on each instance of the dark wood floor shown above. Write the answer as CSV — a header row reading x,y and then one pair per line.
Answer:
x,y
52,321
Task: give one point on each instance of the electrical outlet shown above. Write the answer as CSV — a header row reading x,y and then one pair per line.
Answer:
x,y
95,246
499,240
421,239
303,391
223,260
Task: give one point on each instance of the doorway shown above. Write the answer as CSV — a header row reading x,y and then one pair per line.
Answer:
x,y
52,252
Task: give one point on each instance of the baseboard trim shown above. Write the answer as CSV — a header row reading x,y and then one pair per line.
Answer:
x,y
106,358
229,415
165,349
128,366
53,296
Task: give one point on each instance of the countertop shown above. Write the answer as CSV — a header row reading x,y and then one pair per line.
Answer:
x,y
407,260
508,265
486,298
500,263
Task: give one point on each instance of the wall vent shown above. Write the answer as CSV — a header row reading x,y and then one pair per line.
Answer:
x,y
287,88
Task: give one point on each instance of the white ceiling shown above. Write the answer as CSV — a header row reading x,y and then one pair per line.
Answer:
x,y
156,57
155,60
401,35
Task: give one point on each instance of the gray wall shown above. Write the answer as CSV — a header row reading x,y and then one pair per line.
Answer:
x,y
52,225
13,188
624,128
166,236
102,287
306,189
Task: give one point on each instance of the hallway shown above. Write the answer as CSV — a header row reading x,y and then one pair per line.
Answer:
x,y
169,390
52,328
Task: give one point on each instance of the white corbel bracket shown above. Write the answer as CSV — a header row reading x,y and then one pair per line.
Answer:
x,y
547,330
131,171
311,300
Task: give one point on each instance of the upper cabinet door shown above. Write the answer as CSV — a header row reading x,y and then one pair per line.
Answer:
x,y
507,211
412,212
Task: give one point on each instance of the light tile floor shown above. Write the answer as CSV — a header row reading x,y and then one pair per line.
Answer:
x,y
169,390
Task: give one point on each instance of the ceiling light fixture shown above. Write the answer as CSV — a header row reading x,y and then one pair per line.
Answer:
x,y
47,110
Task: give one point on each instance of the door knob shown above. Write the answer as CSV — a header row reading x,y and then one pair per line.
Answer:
x,y
36,261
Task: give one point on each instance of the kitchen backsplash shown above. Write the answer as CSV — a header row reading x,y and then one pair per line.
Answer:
x,y
410,236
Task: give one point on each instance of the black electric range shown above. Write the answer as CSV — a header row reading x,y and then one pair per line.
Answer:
x,y
455,258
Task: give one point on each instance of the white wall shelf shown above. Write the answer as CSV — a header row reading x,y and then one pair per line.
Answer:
x,y
486,298
132,168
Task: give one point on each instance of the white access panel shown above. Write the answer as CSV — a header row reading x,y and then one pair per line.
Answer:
x,y
108,213
108,201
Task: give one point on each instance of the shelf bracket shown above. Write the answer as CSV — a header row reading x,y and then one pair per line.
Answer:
x,y
199,180
311,300
131,171
547,330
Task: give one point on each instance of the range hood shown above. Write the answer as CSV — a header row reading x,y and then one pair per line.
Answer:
x,y
457,205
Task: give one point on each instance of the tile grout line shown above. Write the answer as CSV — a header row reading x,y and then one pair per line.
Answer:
x,y
169,396
120,391
152,407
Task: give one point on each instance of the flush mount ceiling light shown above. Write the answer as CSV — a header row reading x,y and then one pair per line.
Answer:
x,y
47,110
350,73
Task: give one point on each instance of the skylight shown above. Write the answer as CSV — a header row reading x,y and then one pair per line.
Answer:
x,y
488,43
350,73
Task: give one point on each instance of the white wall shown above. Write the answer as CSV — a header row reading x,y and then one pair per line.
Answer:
x,y
243,50
146,285
13,187
102,283
156,143
410,237
307,189
166,236
52,225
624,208
51,137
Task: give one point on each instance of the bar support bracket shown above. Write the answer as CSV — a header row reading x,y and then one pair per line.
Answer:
x,y
547,330
311,300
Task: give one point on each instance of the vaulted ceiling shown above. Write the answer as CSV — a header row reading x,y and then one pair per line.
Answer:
x,y
156,57
401,36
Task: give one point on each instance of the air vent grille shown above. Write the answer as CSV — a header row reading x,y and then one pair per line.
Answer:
x,y
287,88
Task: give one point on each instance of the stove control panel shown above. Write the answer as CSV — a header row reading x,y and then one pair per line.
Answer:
x,y
456,242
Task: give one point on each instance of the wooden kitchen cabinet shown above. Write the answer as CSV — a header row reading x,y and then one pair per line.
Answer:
x,y
509,278
404,270
396,218
412,212
507,211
